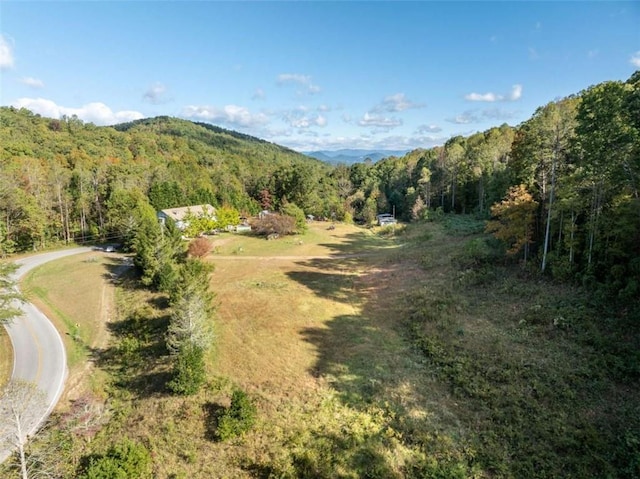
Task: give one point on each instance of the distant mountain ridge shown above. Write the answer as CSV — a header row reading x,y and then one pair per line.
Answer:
x,y
350,156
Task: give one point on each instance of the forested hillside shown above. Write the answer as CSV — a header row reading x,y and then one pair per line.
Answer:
x,y
63,180
561,188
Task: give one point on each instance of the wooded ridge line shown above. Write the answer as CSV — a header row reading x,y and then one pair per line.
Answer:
x,y
560,189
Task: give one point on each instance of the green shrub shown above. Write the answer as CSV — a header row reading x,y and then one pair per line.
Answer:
x,y
189,372
237,418
124,460
295,212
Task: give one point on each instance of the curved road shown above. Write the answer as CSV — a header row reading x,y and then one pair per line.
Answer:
x,y
39,354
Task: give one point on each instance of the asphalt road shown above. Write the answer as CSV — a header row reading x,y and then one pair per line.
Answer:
x,y
39,354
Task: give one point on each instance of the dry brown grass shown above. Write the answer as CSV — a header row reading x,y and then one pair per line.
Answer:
x,y
308,326
6,357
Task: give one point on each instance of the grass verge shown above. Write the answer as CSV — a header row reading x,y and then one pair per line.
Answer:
x,y
6,357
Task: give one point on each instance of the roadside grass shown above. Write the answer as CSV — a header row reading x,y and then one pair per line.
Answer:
x,y
76,294
6,357
376,355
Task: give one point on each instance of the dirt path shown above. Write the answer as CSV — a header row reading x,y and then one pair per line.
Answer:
x,y
76,381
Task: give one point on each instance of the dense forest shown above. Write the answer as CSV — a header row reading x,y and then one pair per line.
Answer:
x,y
561,188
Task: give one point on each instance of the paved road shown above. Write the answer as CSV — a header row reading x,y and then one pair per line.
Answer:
x,y
39,354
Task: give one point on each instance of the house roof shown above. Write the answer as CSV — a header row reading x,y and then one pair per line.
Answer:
x,y
178,214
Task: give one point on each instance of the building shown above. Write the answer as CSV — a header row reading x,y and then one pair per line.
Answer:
x,y
181,215
386,219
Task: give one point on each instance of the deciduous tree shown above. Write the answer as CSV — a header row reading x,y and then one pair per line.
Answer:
x,y
514,220
21,408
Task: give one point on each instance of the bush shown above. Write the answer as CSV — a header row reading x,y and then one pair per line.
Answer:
x,y
295,212
189,372
238,418
200,247
274,224
124,460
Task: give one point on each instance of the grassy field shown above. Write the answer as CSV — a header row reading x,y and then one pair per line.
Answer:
x,y
407,352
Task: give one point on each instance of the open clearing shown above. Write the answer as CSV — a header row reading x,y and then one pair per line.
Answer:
x,y
369,353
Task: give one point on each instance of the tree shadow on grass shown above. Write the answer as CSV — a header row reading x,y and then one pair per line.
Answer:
x,y
212,413
361,242
138,358
333,286
353,360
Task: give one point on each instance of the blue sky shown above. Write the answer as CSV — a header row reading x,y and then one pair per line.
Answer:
x,y
313,75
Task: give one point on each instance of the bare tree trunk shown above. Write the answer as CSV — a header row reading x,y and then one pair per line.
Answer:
x,y
548,225
595,211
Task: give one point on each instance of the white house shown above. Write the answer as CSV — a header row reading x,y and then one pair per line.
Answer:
x,y
179,215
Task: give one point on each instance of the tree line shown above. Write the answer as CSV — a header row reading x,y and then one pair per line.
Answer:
x,y
561,189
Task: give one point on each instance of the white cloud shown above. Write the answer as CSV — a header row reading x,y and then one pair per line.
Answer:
x,y
231,115
302,80
395,103
364,142
516,93
422,129
299,118
635,59
482,97
156,94
513,95
6,53
475,116
96,112
378,121
498,114
593,53
465,118
32,82
533,54
294,78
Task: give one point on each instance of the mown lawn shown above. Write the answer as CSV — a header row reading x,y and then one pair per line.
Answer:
x,y
411,353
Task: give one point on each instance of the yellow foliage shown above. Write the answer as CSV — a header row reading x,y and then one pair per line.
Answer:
x,y
513,219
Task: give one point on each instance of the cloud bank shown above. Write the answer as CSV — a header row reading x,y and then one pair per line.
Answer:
x,y
230,115
97,113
